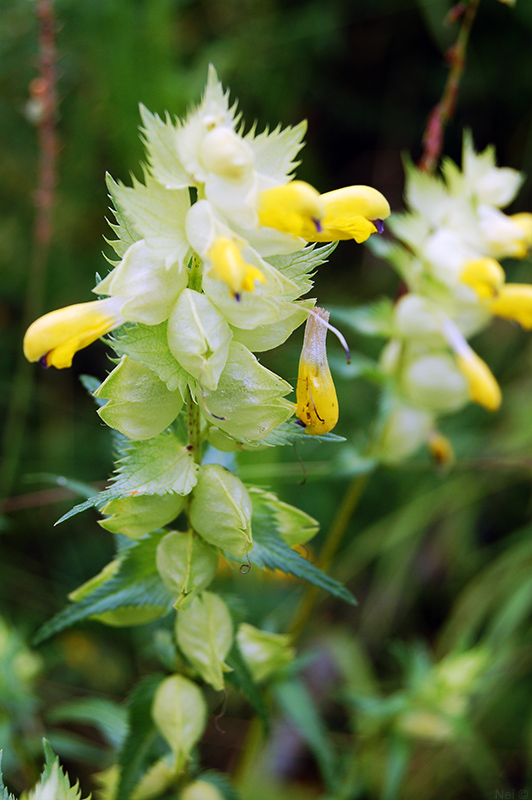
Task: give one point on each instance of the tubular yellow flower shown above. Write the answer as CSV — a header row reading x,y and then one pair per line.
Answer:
x,y
317,404
483,388
230,267
524,222
484,275
354,212
514,301
54,338
293,208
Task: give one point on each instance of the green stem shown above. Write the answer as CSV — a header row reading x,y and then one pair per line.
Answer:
x,y
332,543
193,429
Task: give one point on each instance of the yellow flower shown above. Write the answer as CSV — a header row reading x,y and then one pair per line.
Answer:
x,y
483,388
514,301
54,338
317,404
484,275
292,208
354,212
230,267
524,223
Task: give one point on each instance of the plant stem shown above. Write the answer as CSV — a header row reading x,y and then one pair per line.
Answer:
x,y
332,542
444,110
43,92
193,428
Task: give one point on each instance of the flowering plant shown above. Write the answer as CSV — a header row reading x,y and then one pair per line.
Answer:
x,y
214,251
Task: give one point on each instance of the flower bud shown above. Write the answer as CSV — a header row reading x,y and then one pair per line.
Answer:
x,y
225,153
264,653
220,510
294,526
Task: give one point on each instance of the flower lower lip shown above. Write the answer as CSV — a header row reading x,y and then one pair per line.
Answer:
x,y
379,224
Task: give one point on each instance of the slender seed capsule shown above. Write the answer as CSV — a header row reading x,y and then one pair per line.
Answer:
x,y
317,404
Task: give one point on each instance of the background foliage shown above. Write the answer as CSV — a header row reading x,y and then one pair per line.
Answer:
x,y
438,561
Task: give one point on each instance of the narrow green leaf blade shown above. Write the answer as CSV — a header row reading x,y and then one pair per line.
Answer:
x,y
298,705
141,732
137,584
270,551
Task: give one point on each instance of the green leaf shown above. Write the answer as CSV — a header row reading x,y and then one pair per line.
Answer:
x,y
270,551
141,732
300,266
155,466
105,715
149,345
156,213
290,433
221,782
241,678
54,783
299,707
4,794
136,584
275,151
374,319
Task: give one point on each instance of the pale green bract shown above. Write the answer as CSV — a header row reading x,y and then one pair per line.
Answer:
x,y
204,632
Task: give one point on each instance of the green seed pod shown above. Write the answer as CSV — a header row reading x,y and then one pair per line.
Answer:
x,y
186,565
179,713
220,510
204,633
135,516
140,406
199,337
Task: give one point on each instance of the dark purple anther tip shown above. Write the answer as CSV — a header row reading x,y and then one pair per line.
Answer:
x,y
300,422
238,297
379,224
317,223
43,362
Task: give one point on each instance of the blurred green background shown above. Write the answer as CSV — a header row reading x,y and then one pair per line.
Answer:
x,y
438,561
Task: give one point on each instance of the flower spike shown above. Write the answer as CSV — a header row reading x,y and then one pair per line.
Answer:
x,y
54,338
317,404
